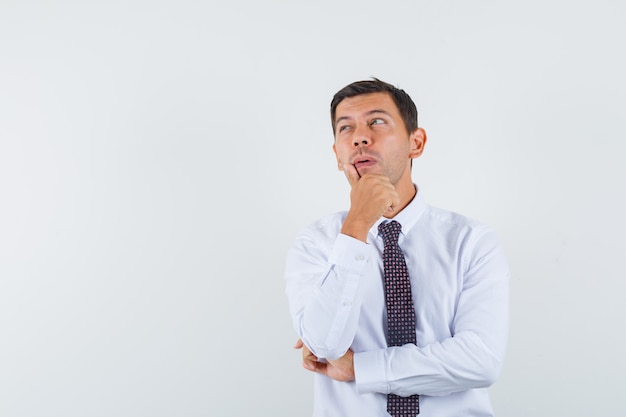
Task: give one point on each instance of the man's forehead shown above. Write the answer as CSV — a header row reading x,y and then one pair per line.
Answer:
x,y
366,103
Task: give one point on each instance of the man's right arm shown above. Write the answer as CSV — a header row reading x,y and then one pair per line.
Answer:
x,y
323,286
324,277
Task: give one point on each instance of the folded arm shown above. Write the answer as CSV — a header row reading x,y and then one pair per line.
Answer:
x,y
471,358
324,292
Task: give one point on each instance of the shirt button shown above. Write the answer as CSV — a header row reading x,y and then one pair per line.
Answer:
x,y
359,257
346,303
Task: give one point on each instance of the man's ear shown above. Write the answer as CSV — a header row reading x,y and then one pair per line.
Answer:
x,y
339,164
418,142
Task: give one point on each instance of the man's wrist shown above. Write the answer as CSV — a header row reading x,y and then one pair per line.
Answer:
x,y
356,229
369,372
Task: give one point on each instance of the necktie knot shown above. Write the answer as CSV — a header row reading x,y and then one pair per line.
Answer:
x,y
390,231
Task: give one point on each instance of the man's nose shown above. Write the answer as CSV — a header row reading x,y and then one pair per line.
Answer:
x,y
361,138
361,141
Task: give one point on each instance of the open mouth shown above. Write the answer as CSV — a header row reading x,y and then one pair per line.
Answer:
x,y
362,163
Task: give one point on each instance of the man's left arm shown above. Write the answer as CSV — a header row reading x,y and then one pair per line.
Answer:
x,y
472,357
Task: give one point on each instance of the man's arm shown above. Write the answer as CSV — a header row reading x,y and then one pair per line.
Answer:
x,y
323,286
324,279
472,357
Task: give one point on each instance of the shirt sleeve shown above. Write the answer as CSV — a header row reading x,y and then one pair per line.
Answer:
x,y
324,291
472,357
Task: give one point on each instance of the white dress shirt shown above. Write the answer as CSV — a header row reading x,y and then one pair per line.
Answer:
x,y
459,282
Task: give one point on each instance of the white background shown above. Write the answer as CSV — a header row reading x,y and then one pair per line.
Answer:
x,y
157,159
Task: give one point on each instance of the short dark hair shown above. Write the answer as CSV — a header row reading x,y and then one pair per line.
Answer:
x,y
403,101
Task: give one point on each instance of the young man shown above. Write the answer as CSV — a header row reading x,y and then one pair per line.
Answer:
x,y
340,278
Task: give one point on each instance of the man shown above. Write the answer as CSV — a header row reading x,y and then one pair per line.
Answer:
x,y
339,277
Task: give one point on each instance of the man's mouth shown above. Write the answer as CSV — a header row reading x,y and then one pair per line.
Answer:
x,y
363,162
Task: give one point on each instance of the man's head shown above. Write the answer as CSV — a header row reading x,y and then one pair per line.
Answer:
x,y
375,135
405,104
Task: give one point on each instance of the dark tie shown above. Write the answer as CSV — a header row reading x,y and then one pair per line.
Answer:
x,y
400,311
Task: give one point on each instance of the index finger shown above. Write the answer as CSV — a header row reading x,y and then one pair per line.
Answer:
x,y
351,174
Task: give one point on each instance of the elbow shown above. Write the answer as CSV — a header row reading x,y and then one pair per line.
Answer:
x,y
325,343
491,375
487,373
324,351
477,369
484,362
321,344
335,354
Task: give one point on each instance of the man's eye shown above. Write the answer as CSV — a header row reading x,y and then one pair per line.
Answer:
x,y
344,127
377,122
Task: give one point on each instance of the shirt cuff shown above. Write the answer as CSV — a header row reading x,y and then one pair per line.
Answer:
x,y
370,372
350,253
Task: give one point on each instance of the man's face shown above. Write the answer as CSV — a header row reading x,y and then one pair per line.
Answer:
x,y
370,134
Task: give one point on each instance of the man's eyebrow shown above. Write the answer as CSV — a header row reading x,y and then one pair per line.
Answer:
x,y
368,113
342,118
